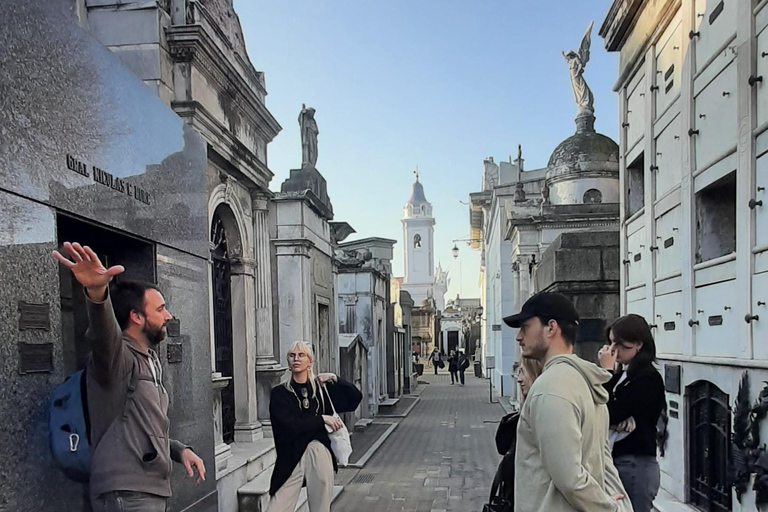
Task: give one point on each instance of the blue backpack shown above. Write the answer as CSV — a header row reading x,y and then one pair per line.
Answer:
x,y
69,427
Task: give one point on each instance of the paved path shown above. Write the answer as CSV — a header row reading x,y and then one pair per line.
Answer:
x,y
441,457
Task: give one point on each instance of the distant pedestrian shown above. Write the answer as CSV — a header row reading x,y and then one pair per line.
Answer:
x,y
301,414
562,459
437,360
635,404
462,363
131,450
453,367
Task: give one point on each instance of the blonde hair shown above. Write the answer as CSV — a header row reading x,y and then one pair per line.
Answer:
x,y
305,347
532,367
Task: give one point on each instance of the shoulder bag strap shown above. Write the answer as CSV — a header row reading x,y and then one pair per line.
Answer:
x,y
329,398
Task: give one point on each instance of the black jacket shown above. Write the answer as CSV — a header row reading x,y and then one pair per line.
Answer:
x,y
640,396
506,441
294,428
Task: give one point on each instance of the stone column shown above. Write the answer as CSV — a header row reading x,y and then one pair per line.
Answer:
x,y
247,427
222,451
525,278
269,371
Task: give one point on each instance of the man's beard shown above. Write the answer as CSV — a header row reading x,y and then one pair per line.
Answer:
x,y
154,334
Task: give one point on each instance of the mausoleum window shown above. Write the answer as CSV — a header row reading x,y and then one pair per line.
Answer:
x,y
716,219
635,185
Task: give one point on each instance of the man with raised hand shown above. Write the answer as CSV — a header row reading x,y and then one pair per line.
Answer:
x,y
131,451
562,462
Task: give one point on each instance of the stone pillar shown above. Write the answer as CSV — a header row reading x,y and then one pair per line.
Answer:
x,y
247,427
222,450
269,371
525,278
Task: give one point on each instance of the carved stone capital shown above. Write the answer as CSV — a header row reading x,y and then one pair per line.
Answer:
x,y
260,200
243,266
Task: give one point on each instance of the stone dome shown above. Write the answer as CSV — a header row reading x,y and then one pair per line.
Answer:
x,y
584,168
584,152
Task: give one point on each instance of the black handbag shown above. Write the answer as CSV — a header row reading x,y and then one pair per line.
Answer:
x,y
496,502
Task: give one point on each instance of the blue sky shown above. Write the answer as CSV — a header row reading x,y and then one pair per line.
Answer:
x,y
441,84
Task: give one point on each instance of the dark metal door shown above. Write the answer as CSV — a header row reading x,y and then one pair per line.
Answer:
x,y
708,443
222,324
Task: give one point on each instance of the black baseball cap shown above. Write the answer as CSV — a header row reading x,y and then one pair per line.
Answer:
x,y
546,305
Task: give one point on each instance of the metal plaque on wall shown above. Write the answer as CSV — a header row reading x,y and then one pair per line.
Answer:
x,y
34,316
35,358
672,378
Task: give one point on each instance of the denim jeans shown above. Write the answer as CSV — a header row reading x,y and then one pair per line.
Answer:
x,y
641,478
129,501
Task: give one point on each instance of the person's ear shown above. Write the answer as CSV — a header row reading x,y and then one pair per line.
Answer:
x,y
137,317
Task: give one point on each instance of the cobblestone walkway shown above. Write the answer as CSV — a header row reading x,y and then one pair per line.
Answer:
x,y
441,457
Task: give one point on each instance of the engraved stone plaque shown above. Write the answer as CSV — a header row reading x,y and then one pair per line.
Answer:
x,y
672,378
35,358
173,328
174,353
34,316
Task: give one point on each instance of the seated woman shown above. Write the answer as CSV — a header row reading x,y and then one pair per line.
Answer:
x,y
300,410
636,401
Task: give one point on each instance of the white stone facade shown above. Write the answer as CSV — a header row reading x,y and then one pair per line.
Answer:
x,y
693,117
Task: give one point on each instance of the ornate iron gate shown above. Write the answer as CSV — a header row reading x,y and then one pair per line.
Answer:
x,y
709,421
222,323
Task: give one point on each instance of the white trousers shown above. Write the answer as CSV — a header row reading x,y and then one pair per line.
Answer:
x,y
316,466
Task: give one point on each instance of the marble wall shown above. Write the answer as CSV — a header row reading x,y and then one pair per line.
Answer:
x,y
82,138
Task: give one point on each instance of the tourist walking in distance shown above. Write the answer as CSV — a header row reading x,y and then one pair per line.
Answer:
x,y
300,410
636,401
437,360
562,449
453,367
131,451
462,363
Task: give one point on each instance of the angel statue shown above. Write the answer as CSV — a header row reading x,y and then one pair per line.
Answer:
x,y
577,62
309,133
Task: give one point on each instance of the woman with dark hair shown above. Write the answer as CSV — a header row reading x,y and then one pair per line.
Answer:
x,y
636,401
453,367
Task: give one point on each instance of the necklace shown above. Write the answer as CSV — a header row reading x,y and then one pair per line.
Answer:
x,y
305,400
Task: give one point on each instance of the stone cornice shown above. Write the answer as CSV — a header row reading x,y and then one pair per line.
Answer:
x,y
618,23
224,142
293,246
193,44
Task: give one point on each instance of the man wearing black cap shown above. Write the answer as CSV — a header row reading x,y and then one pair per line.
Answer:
x,y
562,461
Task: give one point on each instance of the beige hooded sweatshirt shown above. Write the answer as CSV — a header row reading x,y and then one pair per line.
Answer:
x,y
562,462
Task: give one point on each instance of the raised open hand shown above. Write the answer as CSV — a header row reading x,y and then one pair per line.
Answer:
x,y
88,269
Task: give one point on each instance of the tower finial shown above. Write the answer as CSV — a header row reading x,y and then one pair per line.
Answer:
x,y
416,172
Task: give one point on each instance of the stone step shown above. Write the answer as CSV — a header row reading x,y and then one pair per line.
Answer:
x,y
248,461
388,405
254,496
363,424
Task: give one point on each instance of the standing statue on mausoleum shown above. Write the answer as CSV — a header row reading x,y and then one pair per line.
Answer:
x,y
309,133
577,61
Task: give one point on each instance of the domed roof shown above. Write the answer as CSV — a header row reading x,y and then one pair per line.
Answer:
x,y
584,151
417,193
